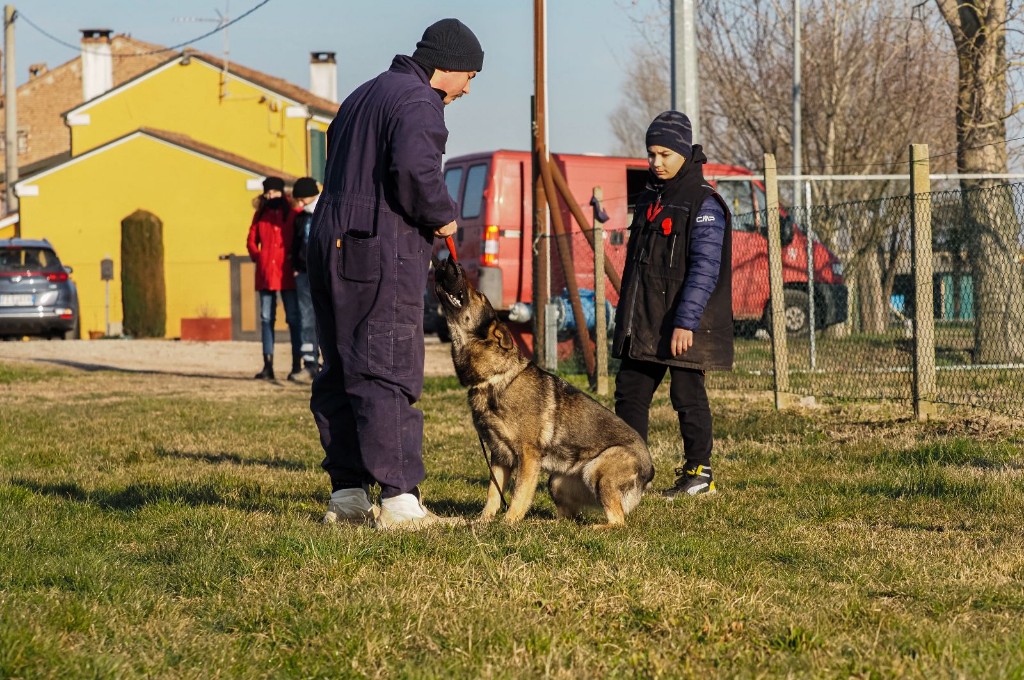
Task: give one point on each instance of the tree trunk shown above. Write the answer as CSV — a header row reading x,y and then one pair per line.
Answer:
x,y
979,32
998,284
873,306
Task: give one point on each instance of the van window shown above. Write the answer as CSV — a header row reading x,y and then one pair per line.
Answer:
x,y
636,181
746,200
473,197
453,180
737,196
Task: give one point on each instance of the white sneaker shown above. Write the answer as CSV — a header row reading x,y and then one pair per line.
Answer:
x,y
352,506
407,512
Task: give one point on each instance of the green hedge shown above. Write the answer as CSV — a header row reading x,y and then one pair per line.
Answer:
x,y
143,293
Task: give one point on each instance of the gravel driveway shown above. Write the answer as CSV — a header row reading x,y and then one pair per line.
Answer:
x,y
174,357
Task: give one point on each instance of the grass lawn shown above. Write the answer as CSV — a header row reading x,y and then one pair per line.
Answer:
x,y
165,526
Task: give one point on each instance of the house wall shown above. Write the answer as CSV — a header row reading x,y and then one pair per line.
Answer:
x,y
247,120
204,204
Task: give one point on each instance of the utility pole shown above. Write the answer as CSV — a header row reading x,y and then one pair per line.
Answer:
x,y
541,234
685,96
797,141
10,116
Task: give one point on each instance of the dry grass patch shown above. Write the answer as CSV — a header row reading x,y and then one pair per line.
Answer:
x,y
168,527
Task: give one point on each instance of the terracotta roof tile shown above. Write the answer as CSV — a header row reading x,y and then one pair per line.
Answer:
x,y
213,152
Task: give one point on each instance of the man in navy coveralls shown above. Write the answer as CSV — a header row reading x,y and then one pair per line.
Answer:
x,y
383,203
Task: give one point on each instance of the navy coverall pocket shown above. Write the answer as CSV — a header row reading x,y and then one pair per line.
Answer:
x,y
360,257
391,351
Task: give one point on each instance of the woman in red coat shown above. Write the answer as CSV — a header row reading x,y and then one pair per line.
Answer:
x,y
269,244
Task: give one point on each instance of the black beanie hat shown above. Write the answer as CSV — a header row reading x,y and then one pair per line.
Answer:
x,y
273,183
671,130
305,187
450,46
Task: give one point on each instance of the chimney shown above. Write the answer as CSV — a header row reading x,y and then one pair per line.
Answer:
x,y
97,62
323,75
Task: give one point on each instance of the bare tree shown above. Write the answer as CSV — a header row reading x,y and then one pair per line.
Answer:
x,y
874,81
992,230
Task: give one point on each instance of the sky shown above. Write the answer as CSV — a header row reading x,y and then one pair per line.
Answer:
x,y
589,46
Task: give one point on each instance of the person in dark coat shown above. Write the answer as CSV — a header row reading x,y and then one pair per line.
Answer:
x,y
306,364
269,245
383,202
675,311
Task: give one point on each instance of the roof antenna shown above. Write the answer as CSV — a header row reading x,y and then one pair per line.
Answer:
x,y
221,20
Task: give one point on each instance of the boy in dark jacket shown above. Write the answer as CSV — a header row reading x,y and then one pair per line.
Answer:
x,y
675,311
384,201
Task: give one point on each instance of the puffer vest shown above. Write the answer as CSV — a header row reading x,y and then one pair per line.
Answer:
x,y
654,274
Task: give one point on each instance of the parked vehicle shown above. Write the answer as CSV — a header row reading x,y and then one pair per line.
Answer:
x,y
37,295
494,242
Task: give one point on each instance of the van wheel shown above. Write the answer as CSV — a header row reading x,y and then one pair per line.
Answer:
x,y
796,313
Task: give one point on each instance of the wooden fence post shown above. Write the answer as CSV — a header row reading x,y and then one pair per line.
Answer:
x,y
780,357
924,317
600,323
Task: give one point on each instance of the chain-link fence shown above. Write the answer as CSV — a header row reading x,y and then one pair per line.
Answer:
x,y
849,275
861,253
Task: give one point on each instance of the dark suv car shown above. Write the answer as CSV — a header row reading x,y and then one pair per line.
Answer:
x,y
37,295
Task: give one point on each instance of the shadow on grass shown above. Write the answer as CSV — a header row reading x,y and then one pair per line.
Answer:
x,y
250,498
954,453
232,458
93,368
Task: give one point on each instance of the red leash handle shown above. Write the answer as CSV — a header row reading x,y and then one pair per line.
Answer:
x,y
451,248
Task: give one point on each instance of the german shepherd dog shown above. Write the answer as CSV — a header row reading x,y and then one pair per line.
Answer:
x,y
532,420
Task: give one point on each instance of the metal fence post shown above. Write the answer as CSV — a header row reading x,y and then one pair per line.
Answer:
x,y
780,356
924,317
600,323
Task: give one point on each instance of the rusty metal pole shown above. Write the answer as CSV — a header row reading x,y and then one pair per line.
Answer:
x,y
574,208
562,241
541,239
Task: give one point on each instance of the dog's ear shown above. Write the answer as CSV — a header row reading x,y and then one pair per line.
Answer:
x,y
502,335
436,263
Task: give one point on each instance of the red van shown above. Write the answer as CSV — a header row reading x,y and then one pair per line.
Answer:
x,y
494,242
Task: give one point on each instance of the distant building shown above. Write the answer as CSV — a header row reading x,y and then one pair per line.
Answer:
x,y
186,138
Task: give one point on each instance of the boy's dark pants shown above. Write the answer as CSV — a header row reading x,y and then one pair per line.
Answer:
x,y
635,385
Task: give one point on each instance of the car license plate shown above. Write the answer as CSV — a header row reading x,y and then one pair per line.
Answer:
x,y
23,300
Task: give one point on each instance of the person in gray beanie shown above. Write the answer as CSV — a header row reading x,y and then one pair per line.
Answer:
x,y
383,203
675,310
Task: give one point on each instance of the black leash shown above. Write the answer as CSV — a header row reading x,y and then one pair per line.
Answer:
x,y
490,471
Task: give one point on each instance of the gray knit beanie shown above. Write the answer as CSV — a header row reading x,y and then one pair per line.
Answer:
x,y
671,130
450,46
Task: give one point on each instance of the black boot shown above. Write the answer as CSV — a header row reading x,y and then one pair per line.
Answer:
x,y
268,368
296,367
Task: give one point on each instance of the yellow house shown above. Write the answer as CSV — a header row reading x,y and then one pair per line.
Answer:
x,y
239,110
190,142
202,195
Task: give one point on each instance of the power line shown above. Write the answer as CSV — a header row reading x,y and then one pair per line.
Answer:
x,y
172,48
